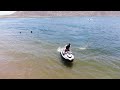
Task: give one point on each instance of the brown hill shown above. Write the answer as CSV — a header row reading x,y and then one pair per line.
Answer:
x,y
63,13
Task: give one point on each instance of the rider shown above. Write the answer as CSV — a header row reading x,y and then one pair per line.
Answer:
x,y
67,48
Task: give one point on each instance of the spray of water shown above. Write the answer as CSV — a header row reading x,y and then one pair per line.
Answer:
x,y
59,49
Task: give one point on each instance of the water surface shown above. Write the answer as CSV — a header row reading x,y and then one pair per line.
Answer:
x,y
95,43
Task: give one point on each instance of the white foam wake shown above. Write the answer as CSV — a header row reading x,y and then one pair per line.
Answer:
x,y
82,48
59,49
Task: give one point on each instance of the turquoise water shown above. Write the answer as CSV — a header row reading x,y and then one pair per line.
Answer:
x,y
95,42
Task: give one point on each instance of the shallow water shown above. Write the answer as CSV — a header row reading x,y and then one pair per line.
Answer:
x,y
95,42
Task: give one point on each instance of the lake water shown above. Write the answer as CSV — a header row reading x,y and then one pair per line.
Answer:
x,y
95,43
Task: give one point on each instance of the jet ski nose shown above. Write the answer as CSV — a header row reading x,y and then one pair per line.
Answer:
x,y
69,56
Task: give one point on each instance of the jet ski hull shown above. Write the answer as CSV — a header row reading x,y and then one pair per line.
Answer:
x,y
67,57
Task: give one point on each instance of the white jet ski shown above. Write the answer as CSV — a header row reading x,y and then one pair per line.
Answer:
x,y
67,55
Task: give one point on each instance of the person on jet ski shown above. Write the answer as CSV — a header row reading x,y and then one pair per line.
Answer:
x,y
67,48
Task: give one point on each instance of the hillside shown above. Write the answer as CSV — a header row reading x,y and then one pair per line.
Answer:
x,y
63,13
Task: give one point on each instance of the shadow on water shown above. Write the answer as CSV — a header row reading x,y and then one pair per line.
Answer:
x,y
66,63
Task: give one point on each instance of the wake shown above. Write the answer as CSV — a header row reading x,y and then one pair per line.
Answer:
x,y
82,48
59,49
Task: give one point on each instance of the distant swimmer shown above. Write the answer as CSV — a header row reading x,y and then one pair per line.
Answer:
x,y
31,31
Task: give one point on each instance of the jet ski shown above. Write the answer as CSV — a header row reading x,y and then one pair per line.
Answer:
x,y
67,55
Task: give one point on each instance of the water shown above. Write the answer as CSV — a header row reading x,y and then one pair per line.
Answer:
x,y
95,42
